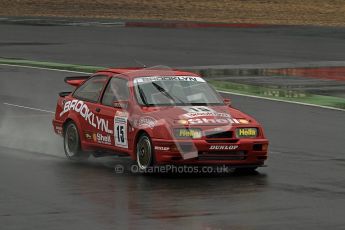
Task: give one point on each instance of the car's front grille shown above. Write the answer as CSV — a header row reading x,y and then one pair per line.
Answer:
x,y
221,140
217,135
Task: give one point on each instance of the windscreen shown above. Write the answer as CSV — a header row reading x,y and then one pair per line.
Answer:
x,y
175,90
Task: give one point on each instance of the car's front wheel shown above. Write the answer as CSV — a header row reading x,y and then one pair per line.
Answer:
x,y
145,155
72,145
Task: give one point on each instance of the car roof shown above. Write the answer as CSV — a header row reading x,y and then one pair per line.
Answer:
x,y
134,72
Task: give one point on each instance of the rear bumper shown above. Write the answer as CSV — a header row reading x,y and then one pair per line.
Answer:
x,y
243,152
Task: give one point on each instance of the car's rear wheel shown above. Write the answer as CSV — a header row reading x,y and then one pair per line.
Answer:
x,y
72,145
145,155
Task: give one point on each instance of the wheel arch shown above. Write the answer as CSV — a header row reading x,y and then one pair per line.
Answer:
x,y
81,154
68,120
77,123
137,136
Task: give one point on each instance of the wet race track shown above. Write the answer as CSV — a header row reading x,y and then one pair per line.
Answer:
x,y
303,186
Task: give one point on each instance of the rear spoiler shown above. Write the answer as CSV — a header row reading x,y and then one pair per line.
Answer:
x,y
64,94
76,81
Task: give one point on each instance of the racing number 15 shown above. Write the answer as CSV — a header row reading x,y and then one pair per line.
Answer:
x,y
120,133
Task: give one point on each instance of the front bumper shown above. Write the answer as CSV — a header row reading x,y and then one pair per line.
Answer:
x,y
239,152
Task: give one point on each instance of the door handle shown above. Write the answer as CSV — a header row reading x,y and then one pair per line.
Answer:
x,y
98,110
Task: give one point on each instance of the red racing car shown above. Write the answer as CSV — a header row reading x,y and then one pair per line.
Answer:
x,y
156,116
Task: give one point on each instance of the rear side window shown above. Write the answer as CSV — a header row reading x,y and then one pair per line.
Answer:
x,y
117,90
91,89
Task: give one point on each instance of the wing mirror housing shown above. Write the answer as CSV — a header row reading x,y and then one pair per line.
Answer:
x,y
227,102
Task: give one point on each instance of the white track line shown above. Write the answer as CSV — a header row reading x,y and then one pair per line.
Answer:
x,y
43,68
280,100
31,108
225,92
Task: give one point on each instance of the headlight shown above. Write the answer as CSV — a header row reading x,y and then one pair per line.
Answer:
x,y
181,122
187,133
246,132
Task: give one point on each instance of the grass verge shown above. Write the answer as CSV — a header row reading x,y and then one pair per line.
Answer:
x,y
271,93
280,94
50,65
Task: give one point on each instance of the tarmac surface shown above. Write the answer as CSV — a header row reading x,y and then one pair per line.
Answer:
x,y
118,46
303,186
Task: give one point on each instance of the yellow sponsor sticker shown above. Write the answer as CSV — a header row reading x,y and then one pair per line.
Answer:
x,y
191,133
247,132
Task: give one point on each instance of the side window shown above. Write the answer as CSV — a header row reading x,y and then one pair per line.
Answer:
x,y
117,90
91,90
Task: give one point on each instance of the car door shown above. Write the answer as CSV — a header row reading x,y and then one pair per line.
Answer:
x,y
113,109
86,103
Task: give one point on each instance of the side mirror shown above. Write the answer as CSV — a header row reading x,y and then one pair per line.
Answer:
x,y
227,102
120,104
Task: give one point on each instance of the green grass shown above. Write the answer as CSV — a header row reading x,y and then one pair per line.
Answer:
x,y
281,94
275,93
51,65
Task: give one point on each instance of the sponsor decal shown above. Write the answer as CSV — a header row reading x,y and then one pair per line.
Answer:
x,y
200,121
101,139
162,148
88,136
246,132
168,78
202,111
206,114
223,147
145,122
188,133
196,112
120,129
58,130
84,111
198,109
122,105
122,114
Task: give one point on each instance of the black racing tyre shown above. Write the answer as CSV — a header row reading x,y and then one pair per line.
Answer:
x,y
144,151
71,141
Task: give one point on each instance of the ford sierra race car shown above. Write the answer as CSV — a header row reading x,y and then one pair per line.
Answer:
x,y
157,117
